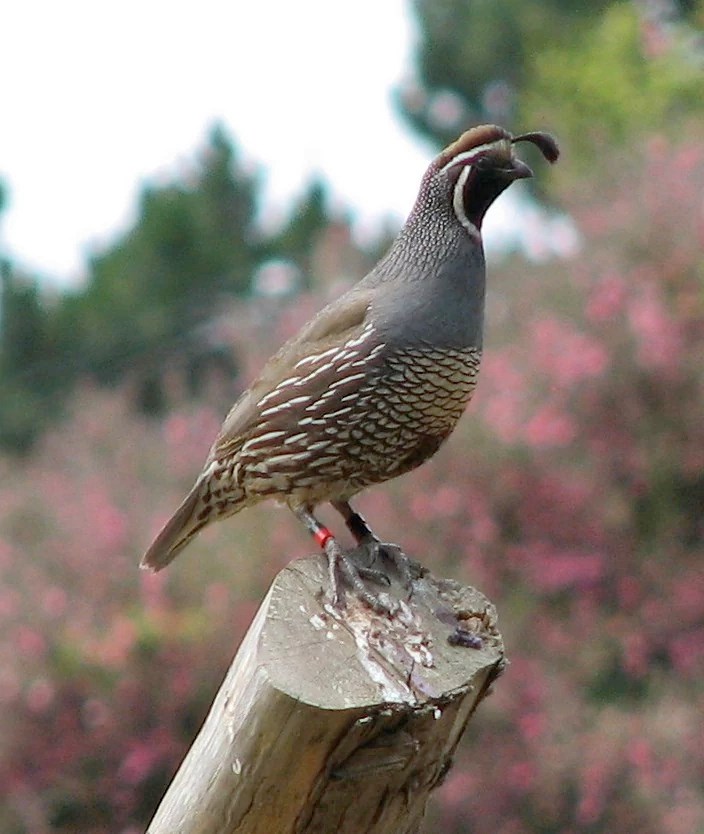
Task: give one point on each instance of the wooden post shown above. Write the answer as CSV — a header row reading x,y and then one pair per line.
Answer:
x,y
337,722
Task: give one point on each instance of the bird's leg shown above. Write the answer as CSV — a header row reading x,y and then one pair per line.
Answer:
x,y
364,536
340,566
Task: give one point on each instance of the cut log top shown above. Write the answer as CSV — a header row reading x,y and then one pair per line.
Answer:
x,y
357,658
334,721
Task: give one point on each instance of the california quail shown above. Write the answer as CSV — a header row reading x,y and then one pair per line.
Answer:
x,y
371,386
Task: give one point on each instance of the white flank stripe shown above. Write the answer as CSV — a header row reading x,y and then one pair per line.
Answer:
x,y
346,379
284,382
272,395
212,467
323,461
274,459
295,438
264,438
293,401
306,420
361,338
313,374
340,412
319,445
314,357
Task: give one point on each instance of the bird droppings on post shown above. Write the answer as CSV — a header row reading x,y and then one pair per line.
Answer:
x,y
315,620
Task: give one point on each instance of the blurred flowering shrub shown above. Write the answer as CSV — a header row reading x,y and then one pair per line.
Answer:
x,y
592,511
573,496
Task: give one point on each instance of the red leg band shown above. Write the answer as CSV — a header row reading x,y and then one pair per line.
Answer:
x,y
322,536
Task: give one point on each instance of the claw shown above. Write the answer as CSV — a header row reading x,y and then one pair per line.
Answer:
x,y
341,567
408,569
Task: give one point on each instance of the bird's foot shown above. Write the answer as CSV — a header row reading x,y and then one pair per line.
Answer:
x,y
407,568
342,568
374,548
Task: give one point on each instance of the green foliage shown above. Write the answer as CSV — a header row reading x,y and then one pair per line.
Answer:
x,y
24,342
192,243
602,90
597,73
151,296
296,241
22,322
473,58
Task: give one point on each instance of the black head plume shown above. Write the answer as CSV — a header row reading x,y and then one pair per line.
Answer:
x,y
479,165
545,143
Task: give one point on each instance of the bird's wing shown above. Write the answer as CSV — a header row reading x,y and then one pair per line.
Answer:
x,y
341,320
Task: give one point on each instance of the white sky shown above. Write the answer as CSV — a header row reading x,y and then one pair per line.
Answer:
x,y
99,96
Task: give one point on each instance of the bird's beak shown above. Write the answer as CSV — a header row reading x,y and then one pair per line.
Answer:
x,y
519,170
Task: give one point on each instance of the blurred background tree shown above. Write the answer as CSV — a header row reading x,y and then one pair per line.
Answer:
x,y
151,297
627,65
473,60
580,511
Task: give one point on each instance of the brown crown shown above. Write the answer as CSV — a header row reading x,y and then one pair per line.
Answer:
x,y
486,134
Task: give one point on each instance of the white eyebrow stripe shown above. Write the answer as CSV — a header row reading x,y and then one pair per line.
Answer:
x,y
467,155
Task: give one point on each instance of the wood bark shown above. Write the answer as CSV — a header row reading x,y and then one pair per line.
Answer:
x,y
337,721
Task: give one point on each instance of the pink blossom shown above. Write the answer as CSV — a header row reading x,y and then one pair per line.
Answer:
x,y
656,334
458,787
565,354
532,725
606,299
96,713
55,601
629,592
521,775
115,649
30,642
176,429
139,762
549,426
636,654
551,569
640,754
10,603
503,399
40,695
687,653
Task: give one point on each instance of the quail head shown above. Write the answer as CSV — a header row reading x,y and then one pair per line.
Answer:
x,y
374,384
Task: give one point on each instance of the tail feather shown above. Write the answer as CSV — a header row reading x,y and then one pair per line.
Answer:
x,y
176,533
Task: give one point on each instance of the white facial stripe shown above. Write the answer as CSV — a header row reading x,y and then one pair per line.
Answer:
x,y
458,202
467,156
